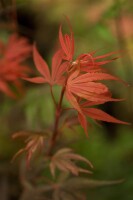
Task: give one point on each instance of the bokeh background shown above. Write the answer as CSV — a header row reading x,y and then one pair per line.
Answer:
x,y
103,25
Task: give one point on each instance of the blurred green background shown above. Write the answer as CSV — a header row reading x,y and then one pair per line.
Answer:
x,y
98,25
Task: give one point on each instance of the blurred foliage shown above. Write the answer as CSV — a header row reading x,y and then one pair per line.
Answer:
x,y
97,25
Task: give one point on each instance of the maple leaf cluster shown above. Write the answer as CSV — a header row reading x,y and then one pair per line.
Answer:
x,y
12,68
80,78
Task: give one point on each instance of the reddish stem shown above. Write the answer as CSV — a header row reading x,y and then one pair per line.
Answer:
x,y
51,90
57,118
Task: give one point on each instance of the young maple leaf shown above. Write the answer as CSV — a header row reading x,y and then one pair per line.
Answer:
x,y
86,61
89,63
34,142
58,69
67,43
63,160
11,69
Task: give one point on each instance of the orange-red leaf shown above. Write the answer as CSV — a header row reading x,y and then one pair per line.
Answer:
x,y
57,70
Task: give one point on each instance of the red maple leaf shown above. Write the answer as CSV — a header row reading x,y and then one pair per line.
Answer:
x,y
11,70
86,86
57,70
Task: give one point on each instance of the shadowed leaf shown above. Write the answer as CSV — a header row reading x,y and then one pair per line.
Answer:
x,y
34,142
77,183
64,159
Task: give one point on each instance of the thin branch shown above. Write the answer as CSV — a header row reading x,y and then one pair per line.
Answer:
x,y
57,117
52,94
